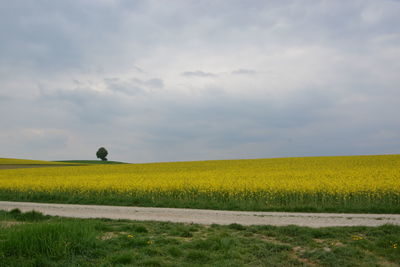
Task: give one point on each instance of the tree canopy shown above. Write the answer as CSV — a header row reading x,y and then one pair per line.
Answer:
x,y
102,153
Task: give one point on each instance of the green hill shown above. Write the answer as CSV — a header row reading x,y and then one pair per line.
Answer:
x,y
90,162
11,161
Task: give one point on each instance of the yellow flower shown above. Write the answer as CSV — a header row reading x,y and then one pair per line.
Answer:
x,y
356,237
131,236
370,178
394,245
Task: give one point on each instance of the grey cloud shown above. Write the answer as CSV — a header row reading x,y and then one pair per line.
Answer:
x,y
86,105
5,98
230,122
198,73
133,86
59,36
154,82
157,83
138,69
44,141
244,71
334,88
117,85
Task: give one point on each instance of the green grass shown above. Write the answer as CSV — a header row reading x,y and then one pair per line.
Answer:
x,y
12,161
26,240
90,162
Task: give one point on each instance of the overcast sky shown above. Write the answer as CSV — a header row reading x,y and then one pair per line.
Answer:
x,y
196,80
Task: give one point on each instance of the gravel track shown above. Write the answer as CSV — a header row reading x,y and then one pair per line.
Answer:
x,y
206,216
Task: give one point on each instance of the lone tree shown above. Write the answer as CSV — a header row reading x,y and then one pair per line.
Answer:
x,y
102,153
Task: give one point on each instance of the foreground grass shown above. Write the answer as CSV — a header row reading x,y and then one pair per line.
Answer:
x,y
31,239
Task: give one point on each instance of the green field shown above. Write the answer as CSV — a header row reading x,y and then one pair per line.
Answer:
x,y
10,163
31,239
90,161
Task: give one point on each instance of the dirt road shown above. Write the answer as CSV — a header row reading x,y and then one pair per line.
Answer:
x,y
206,216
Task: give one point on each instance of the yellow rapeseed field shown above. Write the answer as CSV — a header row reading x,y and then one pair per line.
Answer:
x,y
331,175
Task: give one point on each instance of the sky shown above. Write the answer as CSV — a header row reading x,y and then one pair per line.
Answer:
x,y
184,80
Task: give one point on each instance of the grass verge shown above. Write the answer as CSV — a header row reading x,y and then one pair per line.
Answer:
x,y
38,240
